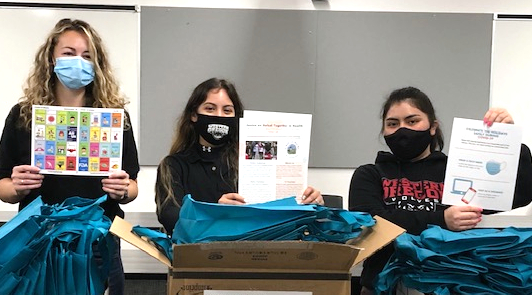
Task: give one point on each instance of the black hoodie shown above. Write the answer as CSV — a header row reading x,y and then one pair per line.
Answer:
x,y
409,194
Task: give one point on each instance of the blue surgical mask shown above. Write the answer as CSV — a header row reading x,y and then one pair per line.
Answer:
x,y
74,71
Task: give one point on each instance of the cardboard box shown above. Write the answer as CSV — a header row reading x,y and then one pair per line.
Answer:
x,y
403,290
290,266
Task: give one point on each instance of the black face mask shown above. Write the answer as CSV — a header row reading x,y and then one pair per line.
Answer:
x,y
406,144
215,130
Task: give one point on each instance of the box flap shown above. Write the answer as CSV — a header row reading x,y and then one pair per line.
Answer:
x,y
280,256
376,237
519,217
269,255
123,230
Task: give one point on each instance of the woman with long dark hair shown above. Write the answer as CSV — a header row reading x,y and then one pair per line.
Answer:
x,y
203,158
405,185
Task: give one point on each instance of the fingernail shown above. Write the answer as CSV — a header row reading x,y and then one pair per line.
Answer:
x,y
485,121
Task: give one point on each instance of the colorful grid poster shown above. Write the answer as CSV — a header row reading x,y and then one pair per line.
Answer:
x,y
77,141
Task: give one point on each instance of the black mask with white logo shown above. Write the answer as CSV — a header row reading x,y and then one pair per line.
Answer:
x,y
406,144
215,130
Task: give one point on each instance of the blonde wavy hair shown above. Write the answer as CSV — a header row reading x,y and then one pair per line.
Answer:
x,y
103,92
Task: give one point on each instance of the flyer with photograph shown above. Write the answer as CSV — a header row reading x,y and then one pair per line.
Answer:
x,y
482,164
273,155
77,141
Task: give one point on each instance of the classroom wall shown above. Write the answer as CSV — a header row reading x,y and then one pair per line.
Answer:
x,y
118,29
510,67
327,63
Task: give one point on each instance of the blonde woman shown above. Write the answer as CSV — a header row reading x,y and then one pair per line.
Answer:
x,y
70,69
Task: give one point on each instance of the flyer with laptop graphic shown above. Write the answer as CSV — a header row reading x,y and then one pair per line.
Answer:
x,y
482,164
77,141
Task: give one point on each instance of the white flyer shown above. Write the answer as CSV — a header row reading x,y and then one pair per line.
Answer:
x,y
482,164
253,292
77,141
273,155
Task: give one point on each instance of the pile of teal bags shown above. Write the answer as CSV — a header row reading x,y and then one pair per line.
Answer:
x,y
279,220
49,249
477,261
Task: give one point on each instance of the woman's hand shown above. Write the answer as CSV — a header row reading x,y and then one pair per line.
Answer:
x,y
25,178
497,115
460,218
116,185
312,196
232,199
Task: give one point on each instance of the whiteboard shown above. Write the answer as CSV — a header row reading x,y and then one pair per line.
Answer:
x,y
22,31
511,79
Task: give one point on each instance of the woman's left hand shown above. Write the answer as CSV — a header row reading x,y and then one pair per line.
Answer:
x,y
497,115
312,196
116,185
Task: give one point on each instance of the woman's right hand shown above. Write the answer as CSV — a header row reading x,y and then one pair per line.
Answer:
x,y
25,178
497,115
459,218
232,199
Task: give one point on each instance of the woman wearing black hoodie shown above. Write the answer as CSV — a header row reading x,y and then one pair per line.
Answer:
x,y
406,186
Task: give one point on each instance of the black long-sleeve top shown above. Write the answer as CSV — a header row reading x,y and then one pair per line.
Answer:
x,y
198,171
15,149
409,194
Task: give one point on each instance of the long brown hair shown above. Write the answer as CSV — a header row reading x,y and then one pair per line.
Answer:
x,y
185,137
103,92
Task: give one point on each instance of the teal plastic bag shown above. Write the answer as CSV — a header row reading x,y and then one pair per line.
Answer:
x,y
159,239
282,219
476,261
49,249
